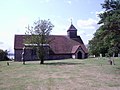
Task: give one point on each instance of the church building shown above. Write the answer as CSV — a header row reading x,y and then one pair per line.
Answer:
x,y
61,47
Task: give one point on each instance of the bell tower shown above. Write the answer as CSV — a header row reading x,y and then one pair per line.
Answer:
x,y
72,31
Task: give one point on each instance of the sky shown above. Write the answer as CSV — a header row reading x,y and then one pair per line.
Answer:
x,y
15,15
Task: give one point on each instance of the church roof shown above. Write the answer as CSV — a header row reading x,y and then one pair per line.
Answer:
x,y
59,44
72,27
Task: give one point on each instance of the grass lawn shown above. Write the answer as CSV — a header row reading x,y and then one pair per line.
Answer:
x,y
69,74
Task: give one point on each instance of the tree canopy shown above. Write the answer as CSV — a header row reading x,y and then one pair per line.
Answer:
x,y
39,32
106,39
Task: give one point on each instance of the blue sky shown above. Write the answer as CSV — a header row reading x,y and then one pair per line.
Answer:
x,y
15,15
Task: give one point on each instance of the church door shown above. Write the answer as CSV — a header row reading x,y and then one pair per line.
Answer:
x,y
79,56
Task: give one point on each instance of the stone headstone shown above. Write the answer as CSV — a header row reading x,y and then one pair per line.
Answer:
x,y
100,55
118,54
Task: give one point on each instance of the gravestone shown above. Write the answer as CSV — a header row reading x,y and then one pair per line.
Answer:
x,y
101,55
118,54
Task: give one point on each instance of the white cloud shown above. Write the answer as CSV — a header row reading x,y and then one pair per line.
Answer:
x,y
47,1
44,1
92,12
89,35
97,14
81,32
69,2
86,28
87,24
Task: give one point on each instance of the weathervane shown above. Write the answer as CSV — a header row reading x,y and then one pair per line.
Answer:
x,y
71,21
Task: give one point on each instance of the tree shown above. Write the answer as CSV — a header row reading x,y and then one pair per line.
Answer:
x,y
39,32
96,45
111,22
3,55
107,37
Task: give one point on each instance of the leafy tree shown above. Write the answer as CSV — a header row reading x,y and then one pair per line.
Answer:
x,y
107,37
96,45
39,32
3,55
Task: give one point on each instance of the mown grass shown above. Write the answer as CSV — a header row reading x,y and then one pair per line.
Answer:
x,y
69,74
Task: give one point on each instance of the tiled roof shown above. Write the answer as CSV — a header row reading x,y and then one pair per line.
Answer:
x,y
74,49
59,44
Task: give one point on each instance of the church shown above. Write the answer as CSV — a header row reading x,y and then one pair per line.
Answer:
x,y
61,47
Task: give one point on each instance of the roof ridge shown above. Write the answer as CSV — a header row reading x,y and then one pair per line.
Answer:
x,y
30,35
58,35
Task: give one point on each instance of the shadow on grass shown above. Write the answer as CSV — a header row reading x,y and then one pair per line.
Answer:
x,y
55,63
63,63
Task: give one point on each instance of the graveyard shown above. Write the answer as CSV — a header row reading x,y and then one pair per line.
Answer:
x,y
68,74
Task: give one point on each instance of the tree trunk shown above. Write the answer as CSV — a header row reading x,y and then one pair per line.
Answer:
x,y
23,62
42,53
42,61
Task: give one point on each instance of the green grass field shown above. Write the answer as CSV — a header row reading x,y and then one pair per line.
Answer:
x,y
69,74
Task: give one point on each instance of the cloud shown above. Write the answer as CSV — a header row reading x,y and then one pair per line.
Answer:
x,y
1,43
86,28
98,12
68,2
89,35
87,24
91,12
47,1
44,1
